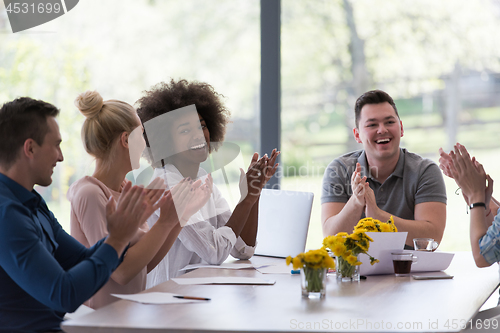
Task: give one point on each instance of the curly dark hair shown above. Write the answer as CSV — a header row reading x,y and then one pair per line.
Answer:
x,y
165,97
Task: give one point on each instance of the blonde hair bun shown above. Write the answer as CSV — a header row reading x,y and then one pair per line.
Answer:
x,y
89,103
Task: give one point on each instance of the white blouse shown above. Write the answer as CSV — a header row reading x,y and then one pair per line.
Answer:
x,y
205,238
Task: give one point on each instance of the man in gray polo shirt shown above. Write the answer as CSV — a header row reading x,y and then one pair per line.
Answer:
x,y
383,179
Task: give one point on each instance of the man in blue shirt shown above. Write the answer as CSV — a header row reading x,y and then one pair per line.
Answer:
x,y
44,272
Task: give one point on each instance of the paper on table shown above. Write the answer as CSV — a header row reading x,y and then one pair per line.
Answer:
x,y
222,280
80,311
275,269
223,265
431,261
155,298
384,243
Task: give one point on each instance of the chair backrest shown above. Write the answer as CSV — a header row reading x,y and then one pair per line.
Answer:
x,y
283,222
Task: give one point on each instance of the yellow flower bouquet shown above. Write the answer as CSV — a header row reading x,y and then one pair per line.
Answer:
x,y
373,225
347,247
313,266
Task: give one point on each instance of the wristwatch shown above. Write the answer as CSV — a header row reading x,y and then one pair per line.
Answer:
x,y
477,204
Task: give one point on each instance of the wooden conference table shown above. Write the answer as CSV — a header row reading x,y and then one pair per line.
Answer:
x,y
383,303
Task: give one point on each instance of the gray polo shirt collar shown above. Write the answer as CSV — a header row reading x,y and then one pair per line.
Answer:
x,y
398,171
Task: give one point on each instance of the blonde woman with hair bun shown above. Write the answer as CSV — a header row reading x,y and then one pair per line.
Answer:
x,y
113,134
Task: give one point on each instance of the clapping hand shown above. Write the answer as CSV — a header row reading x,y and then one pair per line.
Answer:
x,y
363,194
371,208
252,182
271,165
155,190
182,193
185,198
470,176
200,193
358,186
259,172
447,164
124,217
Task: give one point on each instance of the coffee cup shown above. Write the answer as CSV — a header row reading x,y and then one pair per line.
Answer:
x,y
425,244
402,263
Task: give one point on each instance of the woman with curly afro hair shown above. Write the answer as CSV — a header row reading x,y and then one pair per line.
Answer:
x,y
112,134
190,120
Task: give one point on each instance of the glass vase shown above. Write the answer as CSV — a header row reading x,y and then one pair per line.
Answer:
x,y
313,282
345,271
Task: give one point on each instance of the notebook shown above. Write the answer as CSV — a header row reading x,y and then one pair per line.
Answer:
x,y
384,243
283,222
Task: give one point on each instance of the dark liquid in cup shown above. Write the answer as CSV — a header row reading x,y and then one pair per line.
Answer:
x,y
402,266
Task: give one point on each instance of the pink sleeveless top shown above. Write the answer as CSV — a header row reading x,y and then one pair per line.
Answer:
x,y
88,197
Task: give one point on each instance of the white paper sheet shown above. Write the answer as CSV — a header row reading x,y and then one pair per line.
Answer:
x,y
224,265
384,243
431,261
156,298
222,280
276,269
82,310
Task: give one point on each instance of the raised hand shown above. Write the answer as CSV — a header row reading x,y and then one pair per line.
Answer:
x,y
181,195
358,186
255,158
488,194
253,181
125,216
198,198
154,192
271,167
468,174
445,162
156,184
371,208
362,194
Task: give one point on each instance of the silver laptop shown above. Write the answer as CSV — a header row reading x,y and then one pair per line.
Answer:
x,y
283,222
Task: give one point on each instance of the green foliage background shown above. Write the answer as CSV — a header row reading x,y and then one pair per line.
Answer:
x,y
424,53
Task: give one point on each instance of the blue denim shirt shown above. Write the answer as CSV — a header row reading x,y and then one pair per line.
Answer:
x,y
489,244
44,272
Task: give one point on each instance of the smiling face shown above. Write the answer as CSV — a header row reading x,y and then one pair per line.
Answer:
x,y
380,131
190,139
46,156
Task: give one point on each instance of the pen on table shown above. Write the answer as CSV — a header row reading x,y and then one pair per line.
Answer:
x,y
193,297
295,271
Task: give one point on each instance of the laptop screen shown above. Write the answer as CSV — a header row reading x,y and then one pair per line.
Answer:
x,y
283,222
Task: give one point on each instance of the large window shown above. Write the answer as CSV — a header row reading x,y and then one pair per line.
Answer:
x,y
121,48
438,59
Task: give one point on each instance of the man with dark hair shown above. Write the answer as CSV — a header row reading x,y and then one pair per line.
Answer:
x,y
373,97
383,180
29,117
44,272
